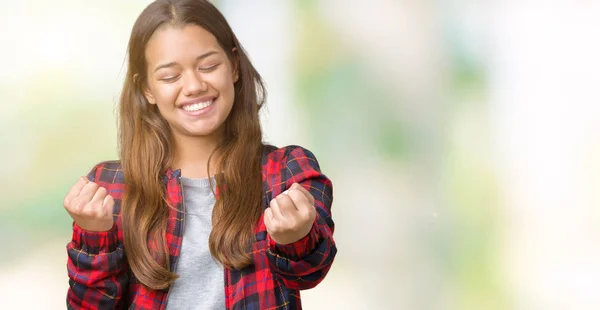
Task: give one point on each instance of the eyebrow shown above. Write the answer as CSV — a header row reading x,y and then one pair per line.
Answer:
x,y
173,63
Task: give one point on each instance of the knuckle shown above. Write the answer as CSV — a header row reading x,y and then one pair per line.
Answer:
x,y
82,213
110,199
85,208
303,217
83,201
293,194
310,217
96,205
99,213
77,204
94,211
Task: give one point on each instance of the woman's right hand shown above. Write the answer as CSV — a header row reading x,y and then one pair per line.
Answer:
x,y
90,206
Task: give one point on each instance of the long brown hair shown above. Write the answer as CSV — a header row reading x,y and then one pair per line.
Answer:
x,y
145,144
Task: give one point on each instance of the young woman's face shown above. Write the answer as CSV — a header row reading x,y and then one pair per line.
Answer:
x,y
190,79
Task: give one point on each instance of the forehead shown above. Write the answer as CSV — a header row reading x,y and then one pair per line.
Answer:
x,y
178,43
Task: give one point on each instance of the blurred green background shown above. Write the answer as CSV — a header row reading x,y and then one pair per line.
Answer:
x,y
461,137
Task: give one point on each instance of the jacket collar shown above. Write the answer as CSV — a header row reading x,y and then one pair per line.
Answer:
x,y
170,174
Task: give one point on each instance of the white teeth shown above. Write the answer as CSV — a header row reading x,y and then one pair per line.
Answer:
x,y
197,106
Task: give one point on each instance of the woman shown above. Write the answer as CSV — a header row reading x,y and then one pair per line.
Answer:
x,y
255,226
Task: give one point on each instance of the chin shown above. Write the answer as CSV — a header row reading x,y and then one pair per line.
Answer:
x,y
206,131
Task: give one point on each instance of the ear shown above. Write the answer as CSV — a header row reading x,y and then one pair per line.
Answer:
x,y
235,64
149,95
147,92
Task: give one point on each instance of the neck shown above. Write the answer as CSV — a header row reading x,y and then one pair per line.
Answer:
x,y
192,154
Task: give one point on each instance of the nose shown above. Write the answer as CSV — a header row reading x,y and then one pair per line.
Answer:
x,y
193,85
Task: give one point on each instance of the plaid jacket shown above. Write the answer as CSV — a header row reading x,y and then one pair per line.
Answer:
x,y
99,276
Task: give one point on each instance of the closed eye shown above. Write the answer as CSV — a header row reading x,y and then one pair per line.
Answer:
x,y
209,68
170,78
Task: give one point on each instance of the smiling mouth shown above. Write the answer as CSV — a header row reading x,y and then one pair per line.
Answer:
x,y
198,106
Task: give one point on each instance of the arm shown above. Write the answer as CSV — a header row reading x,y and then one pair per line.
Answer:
x,y
304,263
97,267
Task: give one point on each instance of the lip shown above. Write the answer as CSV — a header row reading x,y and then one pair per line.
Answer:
x,y
198,100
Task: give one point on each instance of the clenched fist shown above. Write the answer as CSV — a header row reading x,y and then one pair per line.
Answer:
x,y
290,215
90,206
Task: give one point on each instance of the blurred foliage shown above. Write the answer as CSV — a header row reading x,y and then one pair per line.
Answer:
x,y
63,127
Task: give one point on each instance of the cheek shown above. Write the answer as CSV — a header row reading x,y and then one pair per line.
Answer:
x,y
165,94
222,79
224,83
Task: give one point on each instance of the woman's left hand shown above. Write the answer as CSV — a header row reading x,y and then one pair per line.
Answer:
x,y
290,215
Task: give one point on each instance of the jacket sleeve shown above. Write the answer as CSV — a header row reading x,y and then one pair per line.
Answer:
x,y
304,264
97,267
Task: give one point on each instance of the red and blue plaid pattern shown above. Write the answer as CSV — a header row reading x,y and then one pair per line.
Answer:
x,y
99,276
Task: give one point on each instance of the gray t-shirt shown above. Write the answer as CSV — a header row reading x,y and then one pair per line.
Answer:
x,y
201,283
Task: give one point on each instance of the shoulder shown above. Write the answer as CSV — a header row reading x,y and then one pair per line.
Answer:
x,y
106,172
294,164
290,157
